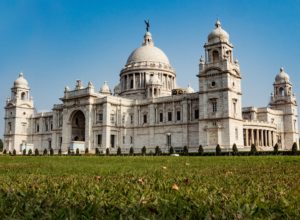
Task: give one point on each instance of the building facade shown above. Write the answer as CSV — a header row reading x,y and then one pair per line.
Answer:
x,y
147,108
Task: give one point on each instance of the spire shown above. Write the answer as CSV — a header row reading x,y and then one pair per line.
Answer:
x,y
148,41
218,23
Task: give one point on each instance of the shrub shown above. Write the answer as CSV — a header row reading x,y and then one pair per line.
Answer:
x,y
69,151
86,151
171,150
1,145
253,150
59,152
36,152
51,152
234,149
151,153
24,152
119,151
45,152
131,151
14,152
107,151
276,149
200,150
294,148
77,152
9,153
218,150
157,151
30,152
97,152
185,150
4,152
144,151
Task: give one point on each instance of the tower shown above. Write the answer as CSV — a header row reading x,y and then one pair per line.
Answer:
x,y
220,96
283,99
18,111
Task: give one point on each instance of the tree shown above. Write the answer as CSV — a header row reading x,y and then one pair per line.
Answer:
x,y
276,149
144,151
69,151
45,152
1,145
59,152
86,151
157,151
119,151
218,150
200,150
131,151
185,150
77,152
294,148
234,149
30,152
253,149
51,151
171,150
4,151
97,152
36,152
14,152
24,152
107,151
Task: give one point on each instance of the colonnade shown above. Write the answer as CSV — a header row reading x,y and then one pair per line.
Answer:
x,y
259,137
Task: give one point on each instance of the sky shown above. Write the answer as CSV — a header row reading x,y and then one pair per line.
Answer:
x,y
54,43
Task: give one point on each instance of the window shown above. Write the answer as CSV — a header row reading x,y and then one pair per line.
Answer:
x,y
281,91
99,139
145,118
112,118
131,140
213,84
196,113
169,140
123,119
49,144
169,116
215,55
37,128
161,117
100,117
234,101
112,140
178,115
131,84
131,119
9,127
60,141
214,105
123,139
23,95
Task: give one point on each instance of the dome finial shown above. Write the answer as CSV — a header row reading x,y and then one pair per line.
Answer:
x,y
147,22
281,69
21,74
218,23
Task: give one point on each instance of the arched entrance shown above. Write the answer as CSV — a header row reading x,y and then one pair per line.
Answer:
x,y
78,126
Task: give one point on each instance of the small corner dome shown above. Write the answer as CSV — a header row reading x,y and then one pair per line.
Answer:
x,y
105,89
189,89
147,53
218,34
21,81
282,76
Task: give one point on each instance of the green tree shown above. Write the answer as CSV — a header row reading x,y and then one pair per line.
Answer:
x,y
86,151
234,149
218,150
276,149
294,148
144,151
51,151
171,150
14,152
119,151
1,145
24,152
107,151
253,149
97,152
200,150
4,151
59,152
131,151
185,150
36,152
45,152
30,152
157,151
77,152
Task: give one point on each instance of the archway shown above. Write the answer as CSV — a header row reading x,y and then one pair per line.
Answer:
x,y
78,126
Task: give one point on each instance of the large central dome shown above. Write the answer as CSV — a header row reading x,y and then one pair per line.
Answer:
x,y
148,53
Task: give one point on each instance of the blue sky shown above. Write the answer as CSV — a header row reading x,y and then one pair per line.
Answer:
x,y
56,42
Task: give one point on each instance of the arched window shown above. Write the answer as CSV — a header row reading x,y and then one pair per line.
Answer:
x,y
23,95
281,91
215,55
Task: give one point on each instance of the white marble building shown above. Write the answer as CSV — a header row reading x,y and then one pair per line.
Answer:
x,y
148,109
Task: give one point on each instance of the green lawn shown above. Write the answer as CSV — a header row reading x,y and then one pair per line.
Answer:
x,y
79,187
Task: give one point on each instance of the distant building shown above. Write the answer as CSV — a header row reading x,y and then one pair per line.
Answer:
x,y
147,108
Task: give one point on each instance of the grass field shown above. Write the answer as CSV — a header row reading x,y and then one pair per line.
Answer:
x,y
149,187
